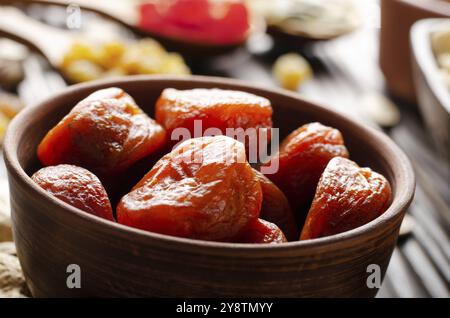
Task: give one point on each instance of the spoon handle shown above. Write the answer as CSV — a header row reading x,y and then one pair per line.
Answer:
x,y
122,11
47,40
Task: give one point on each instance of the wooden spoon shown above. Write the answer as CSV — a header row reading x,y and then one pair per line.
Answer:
x,y
51,42
126,13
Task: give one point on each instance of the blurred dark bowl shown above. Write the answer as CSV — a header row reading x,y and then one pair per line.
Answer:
x,y
432,93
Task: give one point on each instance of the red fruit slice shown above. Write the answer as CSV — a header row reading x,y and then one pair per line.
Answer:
x,y
209,22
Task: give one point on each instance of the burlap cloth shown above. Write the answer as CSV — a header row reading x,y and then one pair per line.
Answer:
x,y
12,282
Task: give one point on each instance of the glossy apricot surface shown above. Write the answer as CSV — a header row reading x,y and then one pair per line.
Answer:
x,y
105,133
347,197
76,186
302,158
275,208
203,189
215,108
260,231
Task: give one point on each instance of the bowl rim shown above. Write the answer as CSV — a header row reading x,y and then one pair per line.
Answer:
x,y
403,168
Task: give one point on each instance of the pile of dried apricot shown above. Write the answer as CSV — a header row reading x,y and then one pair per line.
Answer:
x,y
204,187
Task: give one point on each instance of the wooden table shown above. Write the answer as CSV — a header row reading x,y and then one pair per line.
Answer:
x,y
345,69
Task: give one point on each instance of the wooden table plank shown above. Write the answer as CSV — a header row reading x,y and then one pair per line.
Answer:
x,y
423,266
403,279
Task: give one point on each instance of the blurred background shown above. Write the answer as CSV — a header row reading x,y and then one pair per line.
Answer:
x,y
384,62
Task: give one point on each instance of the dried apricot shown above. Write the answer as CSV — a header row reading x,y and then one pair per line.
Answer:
x,y
347,197
76,186
302,157
275,207
214,108
260,231
105,133
203,189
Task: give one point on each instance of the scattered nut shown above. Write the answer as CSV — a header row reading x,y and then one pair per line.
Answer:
x,y
291,70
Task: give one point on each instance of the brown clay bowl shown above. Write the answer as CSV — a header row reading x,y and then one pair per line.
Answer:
x,y
432,93
116,260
